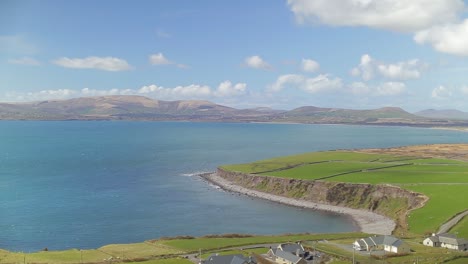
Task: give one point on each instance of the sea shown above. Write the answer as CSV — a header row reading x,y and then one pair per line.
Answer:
x,y
85,184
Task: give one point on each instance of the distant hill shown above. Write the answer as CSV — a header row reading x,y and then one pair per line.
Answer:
x,y
443,114
129,107
120,107
338,115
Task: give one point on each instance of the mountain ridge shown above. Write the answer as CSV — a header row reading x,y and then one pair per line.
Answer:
x,y
443,113
133,107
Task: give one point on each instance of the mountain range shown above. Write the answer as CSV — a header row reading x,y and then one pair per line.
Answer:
x,y
129,107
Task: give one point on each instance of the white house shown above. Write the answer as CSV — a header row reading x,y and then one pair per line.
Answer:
x,y
387,243
288,253
446,240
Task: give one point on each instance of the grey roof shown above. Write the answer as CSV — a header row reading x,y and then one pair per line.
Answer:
x,y
382,240
378,240
390,240
361,243
451,239
398,243
434,239
229,259
288,256
292,248
369,241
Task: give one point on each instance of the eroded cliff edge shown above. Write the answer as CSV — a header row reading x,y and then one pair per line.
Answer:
x,y
387,200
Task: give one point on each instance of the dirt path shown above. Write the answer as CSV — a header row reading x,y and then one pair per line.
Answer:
x,y
450,223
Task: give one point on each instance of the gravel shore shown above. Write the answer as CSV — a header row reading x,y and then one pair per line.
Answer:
x,y
368,222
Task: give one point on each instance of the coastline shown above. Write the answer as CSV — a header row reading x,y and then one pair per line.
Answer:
x,y
368,222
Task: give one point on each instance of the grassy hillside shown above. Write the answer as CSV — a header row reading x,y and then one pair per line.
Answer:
x,y
444,181
461,228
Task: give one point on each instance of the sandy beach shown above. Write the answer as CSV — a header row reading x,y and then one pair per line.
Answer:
x,y
368,222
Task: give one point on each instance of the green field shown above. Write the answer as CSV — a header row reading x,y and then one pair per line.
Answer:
x,y
151,252
295,160
160,251
192,245
444,181
461,228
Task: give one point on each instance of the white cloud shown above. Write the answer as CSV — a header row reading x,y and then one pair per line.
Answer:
x,y
309,65
257,62
441,92
99,63
365,68
448,38
25,61
159,59
402,70
395,15
193,91
284,80
317,84
405,70
391,89
322,83
226,88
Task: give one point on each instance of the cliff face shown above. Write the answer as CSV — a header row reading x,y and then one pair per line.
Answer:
x,y
387,200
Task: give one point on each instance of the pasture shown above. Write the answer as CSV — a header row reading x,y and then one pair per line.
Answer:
x,y
444,181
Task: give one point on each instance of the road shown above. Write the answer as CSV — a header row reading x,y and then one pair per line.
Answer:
x,y
450,223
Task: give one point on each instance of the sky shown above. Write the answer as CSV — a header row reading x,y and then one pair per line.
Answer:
x,y
359,54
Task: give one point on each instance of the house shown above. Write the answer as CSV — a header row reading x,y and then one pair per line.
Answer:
x,y
386,243
229,259
288,253
293,248
446,240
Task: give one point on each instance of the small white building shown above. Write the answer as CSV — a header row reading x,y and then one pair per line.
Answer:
x,y
386,243
446,240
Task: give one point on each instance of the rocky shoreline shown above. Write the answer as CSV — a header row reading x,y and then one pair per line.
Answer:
x,y
367,221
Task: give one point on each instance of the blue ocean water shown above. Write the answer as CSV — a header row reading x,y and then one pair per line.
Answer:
x,y
86,184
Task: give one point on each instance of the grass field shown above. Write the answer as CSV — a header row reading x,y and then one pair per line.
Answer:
x,y
193,245
151,252
137,250
295,160
461,228
165,261
66,256
420,254
444,181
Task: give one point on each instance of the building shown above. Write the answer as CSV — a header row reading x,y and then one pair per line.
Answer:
x,y
446,240
229,259
288,253
386,243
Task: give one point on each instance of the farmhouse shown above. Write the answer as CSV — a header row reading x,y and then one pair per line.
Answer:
x,y
446,240
229,259
386,243
288,253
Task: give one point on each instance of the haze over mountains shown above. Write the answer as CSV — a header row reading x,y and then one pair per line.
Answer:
x,y
122,107
444,114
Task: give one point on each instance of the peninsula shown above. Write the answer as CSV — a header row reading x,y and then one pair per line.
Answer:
x,y
405,191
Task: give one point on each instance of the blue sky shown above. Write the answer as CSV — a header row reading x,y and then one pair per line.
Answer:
x,y
283,54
